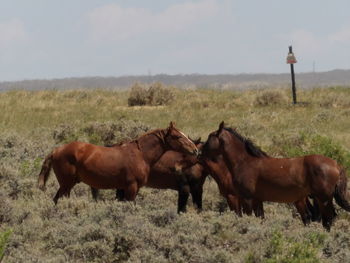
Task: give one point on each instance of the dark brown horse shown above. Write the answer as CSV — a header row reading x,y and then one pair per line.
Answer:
x,y
287,180
218,170
124,166
176,171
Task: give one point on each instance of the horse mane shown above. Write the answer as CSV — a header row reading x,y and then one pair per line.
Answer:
x,y
112,145
158,132
250,147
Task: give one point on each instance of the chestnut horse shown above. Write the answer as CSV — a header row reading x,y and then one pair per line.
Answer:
x,y
218,170
125,166
176,171
286,180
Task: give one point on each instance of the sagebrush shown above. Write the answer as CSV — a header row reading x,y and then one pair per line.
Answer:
x,y
149,230
154,95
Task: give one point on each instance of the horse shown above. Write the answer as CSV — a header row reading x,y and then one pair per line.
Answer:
x,y
176,171
218,170
125,166
285,180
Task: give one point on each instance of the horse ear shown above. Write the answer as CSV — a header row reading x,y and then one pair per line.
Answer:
x,y
195,141
171,126
198,141
221,126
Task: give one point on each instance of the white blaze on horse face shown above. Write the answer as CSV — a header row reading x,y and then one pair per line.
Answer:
x,y
187,139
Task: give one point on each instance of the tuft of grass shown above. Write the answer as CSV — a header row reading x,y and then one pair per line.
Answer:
x,y
271,97
4,237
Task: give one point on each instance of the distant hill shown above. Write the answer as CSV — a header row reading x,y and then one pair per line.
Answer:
x,y
220,81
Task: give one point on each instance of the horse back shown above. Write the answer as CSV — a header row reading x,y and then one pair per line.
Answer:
x,y
288,179
77,152
101,166
70,152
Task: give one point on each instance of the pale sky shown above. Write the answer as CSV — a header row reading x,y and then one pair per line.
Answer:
x,y
44,39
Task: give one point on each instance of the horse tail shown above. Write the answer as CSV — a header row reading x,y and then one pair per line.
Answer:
x,y
340,191
45,172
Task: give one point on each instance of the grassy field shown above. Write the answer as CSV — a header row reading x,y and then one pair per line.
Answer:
x,y
32,229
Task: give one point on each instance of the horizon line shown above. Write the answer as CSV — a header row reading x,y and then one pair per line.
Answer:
x,y
167,74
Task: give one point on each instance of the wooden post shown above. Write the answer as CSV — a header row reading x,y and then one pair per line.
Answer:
x,y
293,78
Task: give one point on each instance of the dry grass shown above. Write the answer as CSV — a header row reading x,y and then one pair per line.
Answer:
x,y
155,95
32,229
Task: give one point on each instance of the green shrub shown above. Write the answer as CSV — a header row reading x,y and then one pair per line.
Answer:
x,y
275,247
326,146
285,250
306,143
4,236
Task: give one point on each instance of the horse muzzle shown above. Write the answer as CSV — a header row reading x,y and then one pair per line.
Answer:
x,y
196,152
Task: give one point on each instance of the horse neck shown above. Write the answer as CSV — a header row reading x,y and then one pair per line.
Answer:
x,y
152,147
220,173
234,151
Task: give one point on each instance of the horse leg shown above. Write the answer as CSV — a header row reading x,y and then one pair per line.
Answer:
x,y
234,204
58,195
327,213
301,206
314,210
197,193
65,174
247,206
131,191
120,195
62,191
316,214
258,208
94,193
184,192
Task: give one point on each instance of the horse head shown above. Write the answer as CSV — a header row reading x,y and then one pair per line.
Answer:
x,y
213,146
178,141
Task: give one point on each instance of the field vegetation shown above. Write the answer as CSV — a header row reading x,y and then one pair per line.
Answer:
x,y
154,95
78,229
